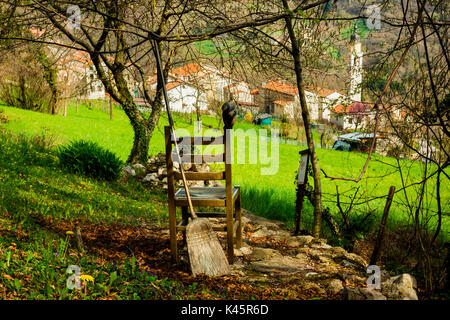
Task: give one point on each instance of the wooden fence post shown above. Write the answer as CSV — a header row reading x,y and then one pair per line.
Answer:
x,y
376,250
302,178
110,109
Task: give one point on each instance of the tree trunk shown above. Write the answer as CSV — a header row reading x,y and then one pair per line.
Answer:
x,y
141,141
307,123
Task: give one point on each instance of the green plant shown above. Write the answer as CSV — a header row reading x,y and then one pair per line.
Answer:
x,y
88,158
3,117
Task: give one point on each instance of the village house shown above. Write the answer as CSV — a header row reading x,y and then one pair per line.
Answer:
x,y
355,116
241,95
326,100
279,98
184,96
210,79
79,76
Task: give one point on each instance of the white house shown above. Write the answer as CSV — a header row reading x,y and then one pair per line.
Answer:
x,y
324,101
355,116
79,75
209,78
186,98
183,96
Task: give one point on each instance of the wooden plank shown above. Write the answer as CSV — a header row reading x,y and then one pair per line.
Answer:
x,y
191,140
238,217
230,199
298,207
211,214
202,175
201,203
199,158
215,228
235,226
303,169
171,195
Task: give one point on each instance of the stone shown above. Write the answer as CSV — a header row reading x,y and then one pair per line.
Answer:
x,y
301,240
401,287
351,293
280,235
324,259
139,169
138,166
355,259
129,171
321,246
385,275
293,242
246,250
310,274
281,265
347,264
151,177
244,221
260,221
338,251
335,286
353,278
263,254
238,253
187,166
262,232
313,286
301,256
319,241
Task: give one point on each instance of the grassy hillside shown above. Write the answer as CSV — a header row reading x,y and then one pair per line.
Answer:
x,y
270,195
125,254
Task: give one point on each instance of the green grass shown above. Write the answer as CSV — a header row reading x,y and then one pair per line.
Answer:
x,y
272,196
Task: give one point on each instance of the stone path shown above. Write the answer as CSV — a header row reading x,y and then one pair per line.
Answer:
x,y
272,256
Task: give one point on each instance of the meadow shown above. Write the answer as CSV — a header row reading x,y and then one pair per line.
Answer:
x,y
272,196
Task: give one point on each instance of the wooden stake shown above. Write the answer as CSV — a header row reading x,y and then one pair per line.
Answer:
x,y
376,250
79,239
110,108
302,178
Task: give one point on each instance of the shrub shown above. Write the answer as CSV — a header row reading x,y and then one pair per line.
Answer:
x,y
88,158
3,117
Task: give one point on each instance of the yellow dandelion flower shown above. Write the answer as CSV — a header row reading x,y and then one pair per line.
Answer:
x,y
87,278
69,232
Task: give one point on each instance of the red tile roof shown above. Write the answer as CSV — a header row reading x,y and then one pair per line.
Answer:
x,y
187,69
245,103
355,107
322,92
283,102
281,87
172,85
